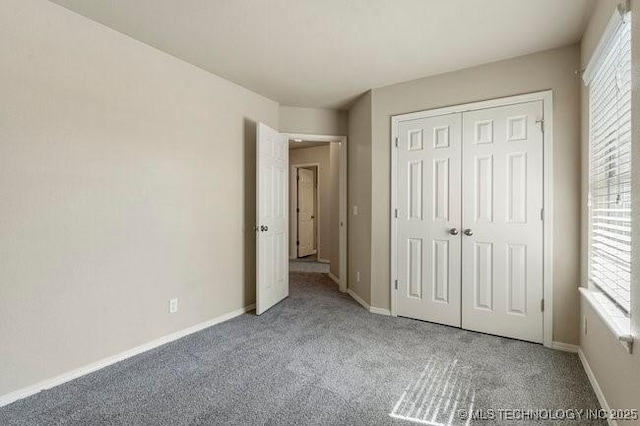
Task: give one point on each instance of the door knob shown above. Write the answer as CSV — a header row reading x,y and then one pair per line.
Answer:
x,y
453,231
266,228
468,232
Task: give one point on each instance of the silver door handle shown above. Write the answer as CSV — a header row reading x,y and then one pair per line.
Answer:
x,y
468,232
453,231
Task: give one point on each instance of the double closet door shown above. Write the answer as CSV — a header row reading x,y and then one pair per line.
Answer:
x,y
469,229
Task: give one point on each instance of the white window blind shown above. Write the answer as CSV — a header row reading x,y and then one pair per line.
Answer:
x,y
609,83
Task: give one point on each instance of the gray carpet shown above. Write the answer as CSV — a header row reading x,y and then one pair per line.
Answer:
x,y
308,264
316,358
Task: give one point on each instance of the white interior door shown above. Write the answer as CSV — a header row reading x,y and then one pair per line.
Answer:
x,y
428,219
272,272
502,255
306,212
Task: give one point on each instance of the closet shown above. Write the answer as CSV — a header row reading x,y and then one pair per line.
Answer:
x,y
467,207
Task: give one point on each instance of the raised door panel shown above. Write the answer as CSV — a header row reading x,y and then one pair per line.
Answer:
x,y
414,268
517,187
441,193
483,276
483,196
415,180
517,279
441,268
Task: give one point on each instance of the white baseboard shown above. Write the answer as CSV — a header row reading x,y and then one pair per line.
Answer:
x,y
90,368
379,311
371,309
592,378
596,387
334,278
324,261
565,347
358,299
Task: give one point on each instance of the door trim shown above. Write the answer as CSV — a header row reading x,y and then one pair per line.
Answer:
x,y
293,201
547,107
342,184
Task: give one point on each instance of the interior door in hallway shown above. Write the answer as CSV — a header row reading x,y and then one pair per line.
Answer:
x,y
272,271
428,219
306,212
502,241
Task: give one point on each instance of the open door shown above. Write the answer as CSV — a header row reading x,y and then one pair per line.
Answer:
x,y
306,208
272,269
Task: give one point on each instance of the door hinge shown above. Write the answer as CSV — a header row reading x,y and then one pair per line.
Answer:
x,y
541,214
396,213
542,305
396,284
396,141
297,243
297,210
541,121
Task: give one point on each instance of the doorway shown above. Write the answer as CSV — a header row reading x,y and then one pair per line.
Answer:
x,y
273,213
470,224
315,218
306,219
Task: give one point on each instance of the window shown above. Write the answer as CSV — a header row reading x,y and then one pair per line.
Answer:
x,y
609,79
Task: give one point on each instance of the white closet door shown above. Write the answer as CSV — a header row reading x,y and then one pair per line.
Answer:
x,y
428,201
502,201
272,163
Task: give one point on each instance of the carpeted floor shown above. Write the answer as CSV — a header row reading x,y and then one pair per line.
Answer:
x,y
316,358
308,264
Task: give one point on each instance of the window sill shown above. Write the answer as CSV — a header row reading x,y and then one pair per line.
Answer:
x,y
618,323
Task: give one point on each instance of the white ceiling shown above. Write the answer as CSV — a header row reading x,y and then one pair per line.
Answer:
x,y
324,53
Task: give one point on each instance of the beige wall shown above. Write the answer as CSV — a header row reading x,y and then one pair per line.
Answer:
x,y
313,121
328,244
359,195
616,371
541,71
126,179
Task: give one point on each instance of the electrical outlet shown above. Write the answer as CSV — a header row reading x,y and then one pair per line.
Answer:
x,y
173,306
358,276
355,210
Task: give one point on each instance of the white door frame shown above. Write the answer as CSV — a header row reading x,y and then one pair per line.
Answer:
x,y
547,101
294,202
342,275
